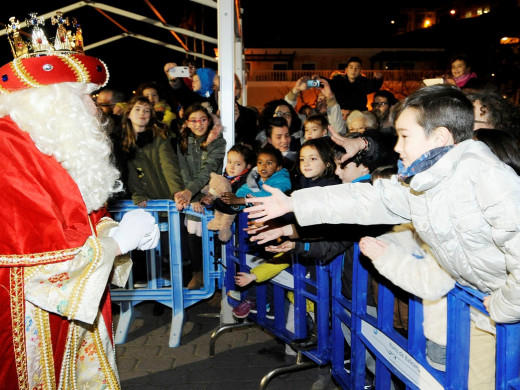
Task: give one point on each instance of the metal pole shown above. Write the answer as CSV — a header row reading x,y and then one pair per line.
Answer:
x,y
226,68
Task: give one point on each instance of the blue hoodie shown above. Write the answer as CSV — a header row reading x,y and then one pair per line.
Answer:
x,y
206,76
254,184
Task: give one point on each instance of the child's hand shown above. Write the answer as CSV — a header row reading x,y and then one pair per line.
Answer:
x,y
182,199
197,207
207,200
372,247
486,302
269,207
254,227
273,233
284,247
230,198
243,278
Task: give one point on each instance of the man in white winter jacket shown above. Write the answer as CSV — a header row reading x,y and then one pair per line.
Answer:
x,y
462,200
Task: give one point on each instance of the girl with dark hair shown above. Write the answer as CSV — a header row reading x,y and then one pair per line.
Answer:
x,y
153,167
201,150
316,164
461,74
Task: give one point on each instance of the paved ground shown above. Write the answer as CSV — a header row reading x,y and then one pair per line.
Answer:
x,y
146,361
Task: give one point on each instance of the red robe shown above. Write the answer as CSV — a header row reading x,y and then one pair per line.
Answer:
x,y
44,220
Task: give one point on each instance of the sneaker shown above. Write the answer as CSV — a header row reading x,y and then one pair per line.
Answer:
x,y
346,364
234,295
243,310
269,312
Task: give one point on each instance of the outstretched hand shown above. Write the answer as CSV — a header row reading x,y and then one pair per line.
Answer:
x,y
284,247
243,278
273,233
352,146
269,207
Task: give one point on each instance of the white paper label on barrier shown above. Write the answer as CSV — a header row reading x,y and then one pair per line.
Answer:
x,y
399,358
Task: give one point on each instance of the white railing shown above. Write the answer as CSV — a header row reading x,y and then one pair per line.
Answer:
x,y
293,75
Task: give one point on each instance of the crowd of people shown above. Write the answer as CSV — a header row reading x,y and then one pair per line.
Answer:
x,y
459,139
427,185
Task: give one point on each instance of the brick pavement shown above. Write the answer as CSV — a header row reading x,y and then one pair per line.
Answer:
x,y
146,362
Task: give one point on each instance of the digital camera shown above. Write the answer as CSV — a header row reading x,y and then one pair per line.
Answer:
x,y
313,83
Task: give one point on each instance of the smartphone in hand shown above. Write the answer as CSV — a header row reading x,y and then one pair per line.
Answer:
x,y
179,71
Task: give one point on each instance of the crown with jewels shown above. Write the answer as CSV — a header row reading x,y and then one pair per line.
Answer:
x,y
37,62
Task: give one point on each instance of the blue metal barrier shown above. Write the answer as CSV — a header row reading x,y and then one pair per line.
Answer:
x,y
315,289
405,357
158,289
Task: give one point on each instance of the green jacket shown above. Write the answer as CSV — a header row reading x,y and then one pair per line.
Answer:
x,y
154,171
196,164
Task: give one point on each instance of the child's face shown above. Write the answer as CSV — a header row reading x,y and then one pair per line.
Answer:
x,y
235,163
314,130
198,123
412,141
140,116
267,166
152,95
350,172
280,138
459,68
353,70
311,164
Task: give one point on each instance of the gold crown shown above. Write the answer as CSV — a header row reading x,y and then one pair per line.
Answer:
x,y
65,41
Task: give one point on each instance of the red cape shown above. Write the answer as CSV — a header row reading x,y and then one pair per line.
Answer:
x,y
42,212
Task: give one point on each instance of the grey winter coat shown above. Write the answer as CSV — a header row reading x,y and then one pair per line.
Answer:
x,y
197,164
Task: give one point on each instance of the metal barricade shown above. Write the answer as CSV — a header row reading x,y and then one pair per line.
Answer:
x,y
171,294
315,289
405,358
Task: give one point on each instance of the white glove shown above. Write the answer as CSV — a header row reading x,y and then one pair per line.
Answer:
x,y
137,229
150,240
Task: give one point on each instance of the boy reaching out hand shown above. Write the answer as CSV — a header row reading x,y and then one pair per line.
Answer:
x,y
461,199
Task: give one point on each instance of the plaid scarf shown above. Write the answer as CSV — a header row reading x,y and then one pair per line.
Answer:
x,y
424,162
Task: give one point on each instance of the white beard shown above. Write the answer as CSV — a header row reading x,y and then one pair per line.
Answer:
x,y
63,122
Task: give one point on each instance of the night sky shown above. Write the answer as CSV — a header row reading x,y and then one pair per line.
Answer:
x,y
266,23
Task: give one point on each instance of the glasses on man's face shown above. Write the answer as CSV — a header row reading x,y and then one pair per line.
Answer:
x,y
202,121
377,104
281,114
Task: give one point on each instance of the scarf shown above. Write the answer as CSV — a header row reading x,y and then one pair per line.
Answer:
x,y
424,162
234,179
462,80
